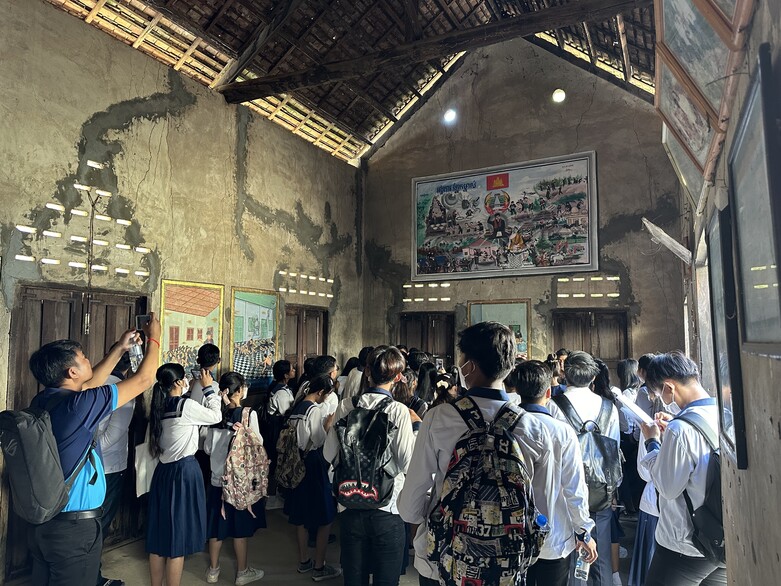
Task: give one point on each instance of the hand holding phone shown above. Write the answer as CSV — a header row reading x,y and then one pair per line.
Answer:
x,y
142,321
196,372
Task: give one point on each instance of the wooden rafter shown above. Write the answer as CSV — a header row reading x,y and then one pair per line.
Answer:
x,y
412,29
444,6
590,44
624,47
94,12
186,55
559,36
149,28
434,47
220,13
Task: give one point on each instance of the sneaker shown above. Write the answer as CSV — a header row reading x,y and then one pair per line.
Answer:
x,y
326,573
623,552
249,575
617,579
212,575
305,567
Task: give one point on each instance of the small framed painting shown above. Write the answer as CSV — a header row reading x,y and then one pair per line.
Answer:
x,y
514,313
726,338
685,167
191,317
754,168
254,333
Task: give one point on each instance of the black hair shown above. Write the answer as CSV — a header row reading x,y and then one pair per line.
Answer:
x,y
627,374
233,382
208,356
443,383
364,354
644,361
673,365
554,366
417,359
530,380
167,376
350,365
386,363
491,346
404,390
281,368
602,381
322,382
323,365
307,373
580,369
561,352
123,365
402,348
427,375
50,363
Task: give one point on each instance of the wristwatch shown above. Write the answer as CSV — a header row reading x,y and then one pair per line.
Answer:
x,y
583,536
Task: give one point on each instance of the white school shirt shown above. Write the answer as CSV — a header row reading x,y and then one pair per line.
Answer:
x,y
218,443
113,434
560,491
353,384
197,389
647,403
681,463
441,429
328,406
181,424
403,443
587,405
281,401
648,499
309,427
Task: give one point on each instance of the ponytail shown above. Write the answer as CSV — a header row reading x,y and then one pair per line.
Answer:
x,y
167,376
232,382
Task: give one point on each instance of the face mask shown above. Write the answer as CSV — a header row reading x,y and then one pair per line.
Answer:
x,y
672,407
186,387
462,376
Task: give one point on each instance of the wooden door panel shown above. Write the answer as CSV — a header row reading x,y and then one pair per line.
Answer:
x,y
412,330
570,332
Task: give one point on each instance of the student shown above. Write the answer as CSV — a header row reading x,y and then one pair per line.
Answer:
x,y
427,376
66,550
373,540
632,487
323,365
646,399
311,504
647,520
280,396
223,520
176,519
580,370
561,355
561,494
488,355
114,443
557,375
355,381
404,392
208,358
677,462
352,363
445,389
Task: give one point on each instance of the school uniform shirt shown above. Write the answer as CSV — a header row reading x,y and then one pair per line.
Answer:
x,y
646,401
281,401
403,443
181,422
328,406
218,440
648,499
353,385
587,405
680,463
309,427
74,421
560,491
625,421
113,434
442,427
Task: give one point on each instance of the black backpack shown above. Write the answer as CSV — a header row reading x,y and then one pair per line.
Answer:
x,y
365,471
38,484
601,455
708,522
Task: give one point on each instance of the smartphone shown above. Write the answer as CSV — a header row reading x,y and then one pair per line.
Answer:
x,y
196,372
440,363
142,320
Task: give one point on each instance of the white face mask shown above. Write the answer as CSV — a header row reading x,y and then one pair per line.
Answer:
x,y
672,407
186,387
462,376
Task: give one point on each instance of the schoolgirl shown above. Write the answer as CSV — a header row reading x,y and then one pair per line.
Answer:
x,y
176,525
311,504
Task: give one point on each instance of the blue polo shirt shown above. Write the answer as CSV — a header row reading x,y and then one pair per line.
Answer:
x,y
74,421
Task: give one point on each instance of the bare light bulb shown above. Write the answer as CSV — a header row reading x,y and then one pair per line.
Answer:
x,y
559,95
450,116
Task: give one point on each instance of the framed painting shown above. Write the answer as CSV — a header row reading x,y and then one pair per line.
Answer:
x,y
726,337
689,174
754,168
514,313
191,316
522,219
729,18
254,333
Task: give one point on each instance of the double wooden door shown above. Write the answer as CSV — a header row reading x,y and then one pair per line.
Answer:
x,y
42,315
432,332
306,334
601,333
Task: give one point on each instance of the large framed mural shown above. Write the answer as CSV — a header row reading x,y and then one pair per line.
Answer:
x,y
514,313
191,317
254,329
531,218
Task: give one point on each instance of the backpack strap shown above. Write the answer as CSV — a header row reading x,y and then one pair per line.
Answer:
x,y
507,418
470,413
89,453
699,423
572,416
603,419
245,414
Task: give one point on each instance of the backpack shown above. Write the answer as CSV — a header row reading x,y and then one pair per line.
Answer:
x,y
245,481
290,469
601,455
38,485
484,529
365,472
708,522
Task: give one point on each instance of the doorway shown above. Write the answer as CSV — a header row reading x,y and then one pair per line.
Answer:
x,y
43,315
306,334
432,332
603,333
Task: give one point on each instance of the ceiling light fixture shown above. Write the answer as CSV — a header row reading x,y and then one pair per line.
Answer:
x,y
559,95
450,116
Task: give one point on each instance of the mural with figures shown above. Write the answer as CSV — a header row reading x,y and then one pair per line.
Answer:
x,y
254,333
528,218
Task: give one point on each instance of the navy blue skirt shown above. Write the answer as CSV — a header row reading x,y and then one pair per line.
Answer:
x,y
176,520
645,545
236,524
312,502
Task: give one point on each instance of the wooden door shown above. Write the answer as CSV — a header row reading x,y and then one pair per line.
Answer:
x,y
602,333
433,332
306,334
43,315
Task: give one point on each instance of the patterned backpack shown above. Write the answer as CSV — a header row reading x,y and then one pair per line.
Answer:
x,y
291,468
484,529
245,481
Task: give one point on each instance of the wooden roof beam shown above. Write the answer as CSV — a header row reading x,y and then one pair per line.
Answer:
x,y
149,28
95,10
432,47
448,12
220,13
559,36
624,47
412,28
592,53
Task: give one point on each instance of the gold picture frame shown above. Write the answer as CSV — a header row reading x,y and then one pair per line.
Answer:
x,y
250,309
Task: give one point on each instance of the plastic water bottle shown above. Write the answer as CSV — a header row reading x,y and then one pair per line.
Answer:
x,y
136,353
582,566
542,533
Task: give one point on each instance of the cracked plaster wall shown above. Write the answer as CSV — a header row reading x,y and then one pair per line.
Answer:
x,y
217,193
505,114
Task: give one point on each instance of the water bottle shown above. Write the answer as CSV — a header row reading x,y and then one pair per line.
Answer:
x,y
136,353
582,566
542,533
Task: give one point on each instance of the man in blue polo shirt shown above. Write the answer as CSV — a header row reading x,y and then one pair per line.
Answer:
x,y
66,550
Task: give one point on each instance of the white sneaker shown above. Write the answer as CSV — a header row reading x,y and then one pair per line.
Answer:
x,y
617,579
249,575
212,575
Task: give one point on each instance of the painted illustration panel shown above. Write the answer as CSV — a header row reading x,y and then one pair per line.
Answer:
x,y
514,313
688,174
191,317
254,333
522,219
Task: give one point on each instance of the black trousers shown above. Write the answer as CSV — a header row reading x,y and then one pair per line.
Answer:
x,y
549,572
427,581
669,568
66,553
114,492
372,542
